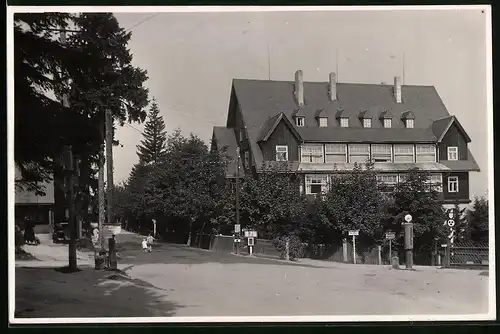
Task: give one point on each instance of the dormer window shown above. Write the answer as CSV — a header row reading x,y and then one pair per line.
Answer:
x,y
410,123
300,121
344,122
367,122
387,123
323,122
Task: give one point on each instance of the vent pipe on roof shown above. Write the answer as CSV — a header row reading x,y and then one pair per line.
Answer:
x,y
299,88
332,89
397,89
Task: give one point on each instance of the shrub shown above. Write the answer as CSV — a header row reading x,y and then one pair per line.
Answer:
x,y
295,247
19,237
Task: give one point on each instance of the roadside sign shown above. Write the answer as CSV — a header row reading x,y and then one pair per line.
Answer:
x,y
390,235
408,218
451,223
444,245
251,241
356,232
237,228
250,234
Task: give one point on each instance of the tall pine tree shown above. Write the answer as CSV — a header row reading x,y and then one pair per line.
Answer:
x,y
154,144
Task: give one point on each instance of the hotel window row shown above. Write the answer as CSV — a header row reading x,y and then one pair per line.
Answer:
x,y
360,153
319,183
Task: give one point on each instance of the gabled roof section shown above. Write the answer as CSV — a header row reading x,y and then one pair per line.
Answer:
x,y
321,113
299,112
341,113
441,126
408,115
271,124
386,114
366,113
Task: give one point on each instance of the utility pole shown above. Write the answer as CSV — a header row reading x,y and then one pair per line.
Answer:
x,y
237,193
100,185
109,164
69,176
70,195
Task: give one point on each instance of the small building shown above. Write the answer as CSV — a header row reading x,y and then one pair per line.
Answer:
x,y
40,209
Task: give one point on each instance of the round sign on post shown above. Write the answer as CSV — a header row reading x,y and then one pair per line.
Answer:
x,y
408,218
451,223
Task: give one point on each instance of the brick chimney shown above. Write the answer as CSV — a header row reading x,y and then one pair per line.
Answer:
x,y
332,88
299,88
397,89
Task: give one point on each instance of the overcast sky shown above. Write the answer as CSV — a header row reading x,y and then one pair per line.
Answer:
x,y
191,59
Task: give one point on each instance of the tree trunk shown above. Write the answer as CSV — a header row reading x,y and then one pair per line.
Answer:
x,y
200,235
109,167
190,233
101,195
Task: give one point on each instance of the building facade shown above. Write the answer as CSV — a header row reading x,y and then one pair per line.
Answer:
x,y
323,128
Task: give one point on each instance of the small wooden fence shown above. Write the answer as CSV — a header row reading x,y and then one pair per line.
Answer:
x,y
469,254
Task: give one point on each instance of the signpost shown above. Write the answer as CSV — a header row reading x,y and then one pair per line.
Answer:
x,y
354,233
390,236
408,228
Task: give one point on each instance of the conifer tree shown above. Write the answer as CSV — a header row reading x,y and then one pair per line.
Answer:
x,y
154,144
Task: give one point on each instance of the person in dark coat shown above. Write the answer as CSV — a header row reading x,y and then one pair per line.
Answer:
x,y
29,232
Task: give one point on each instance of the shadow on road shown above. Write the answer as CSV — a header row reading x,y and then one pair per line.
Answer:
x,y
48,292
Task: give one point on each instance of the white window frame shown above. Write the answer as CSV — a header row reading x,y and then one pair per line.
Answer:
x,y
316,179
335,150
453,184
280,149
425,150
344,122
436,181
385,179
410,123
323,122
387,123
300,121
353,153
399,154
374,154
452,155
313,155
367,122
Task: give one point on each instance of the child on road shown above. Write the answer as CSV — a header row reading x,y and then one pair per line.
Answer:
x,y
144,245
150,242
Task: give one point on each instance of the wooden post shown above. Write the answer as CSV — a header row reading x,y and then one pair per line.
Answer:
x,y
379,255
344,250
390,250
113,263
287,249
354,248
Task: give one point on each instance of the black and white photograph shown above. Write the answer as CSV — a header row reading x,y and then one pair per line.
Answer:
x,y
250,164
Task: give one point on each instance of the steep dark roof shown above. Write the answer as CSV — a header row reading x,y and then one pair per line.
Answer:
x,y
260,99
441,126
273,122
225,139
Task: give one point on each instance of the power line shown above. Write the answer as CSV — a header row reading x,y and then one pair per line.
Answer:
x,y
130,126
142,21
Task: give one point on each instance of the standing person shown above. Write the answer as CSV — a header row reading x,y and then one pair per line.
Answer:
x,y
144,244
150,242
